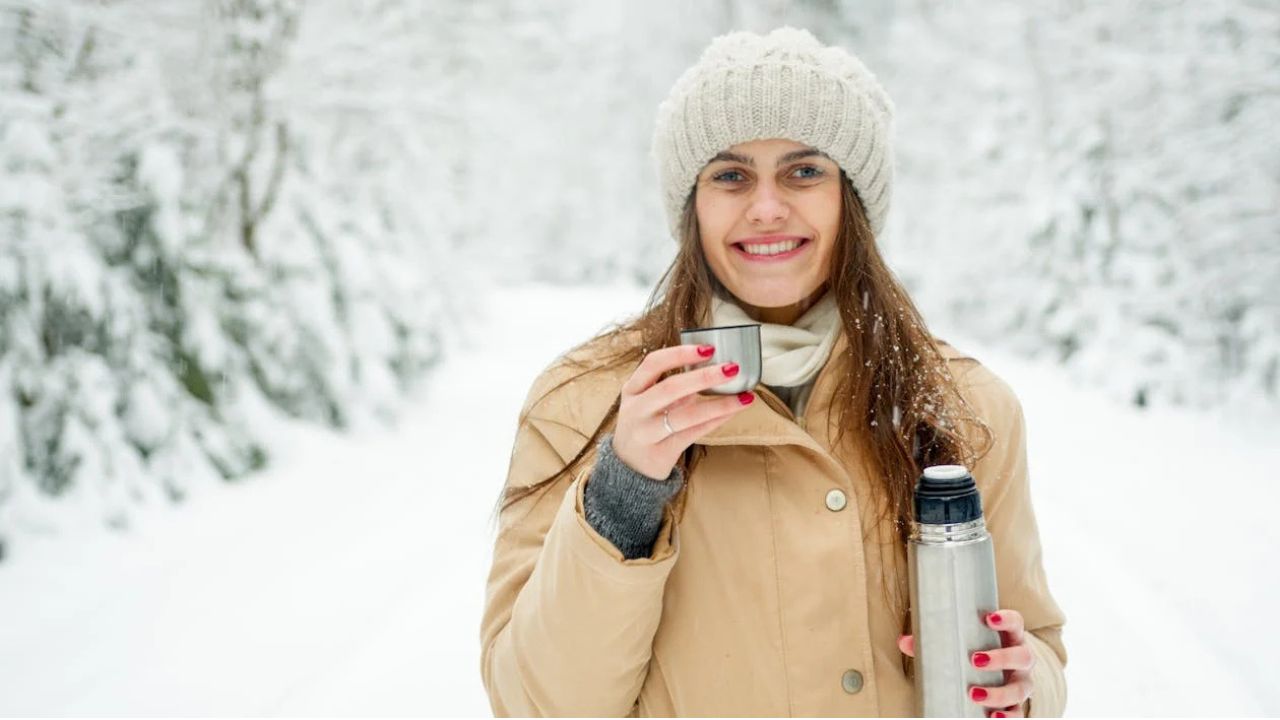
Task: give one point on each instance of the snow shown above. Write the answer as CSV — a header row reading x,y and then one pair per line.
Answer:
x,y
348,577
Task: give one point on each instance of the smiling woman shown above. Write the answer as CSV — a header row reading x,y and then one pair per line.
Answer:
x,y
662,552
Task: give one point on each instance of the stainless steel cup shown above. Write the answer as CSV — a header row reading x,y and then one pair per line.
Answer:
x,y
733,343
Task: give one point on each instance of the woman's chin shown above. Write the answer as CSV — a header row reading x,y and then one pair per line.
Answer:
x,y
781,298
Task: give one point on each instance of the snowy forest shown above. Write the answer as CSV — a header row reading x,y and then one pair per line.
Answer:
x,y
219,212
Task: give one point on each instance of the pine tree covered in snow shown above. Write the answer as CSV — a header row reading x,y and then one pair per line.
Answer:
x,y
1162,236
1097,184
186,236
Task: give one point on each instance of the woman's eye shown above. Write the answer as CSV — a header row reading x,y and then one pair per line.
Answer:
x,y
810,172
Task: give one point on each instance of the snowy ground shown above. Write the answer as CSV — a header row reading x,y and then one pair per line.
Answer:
x,y
349,579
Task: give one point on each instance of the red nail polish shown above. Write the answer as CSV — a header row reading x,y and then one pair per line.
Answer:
x,y
746,398
706,350
981,659
994,618
998,714
978,694
730,370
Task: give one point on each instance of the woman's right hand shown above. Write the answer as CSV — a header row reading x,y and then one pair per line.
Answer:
x,y
640,439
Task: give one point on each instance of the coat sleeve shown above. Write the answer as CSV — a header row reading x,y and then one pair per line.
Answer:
x,y
568,623
1023,586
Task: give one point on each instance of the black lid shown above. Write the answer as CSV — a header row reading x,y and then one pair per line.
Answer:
x,y
947,495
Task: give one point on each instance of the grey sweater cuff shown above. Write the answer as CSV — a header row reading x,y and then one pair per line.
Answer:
x,y
625,506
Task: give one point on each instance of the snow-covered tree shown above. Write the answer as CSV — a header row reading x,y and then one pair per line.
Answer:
x,y
1096,184
189,239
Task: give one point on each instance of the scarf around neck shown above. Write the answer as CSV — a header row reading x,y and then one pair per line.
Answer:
x,y
792,354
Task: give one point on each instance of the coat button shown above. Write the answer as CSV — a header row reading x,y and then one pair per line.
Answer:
x,y
851,681
836,500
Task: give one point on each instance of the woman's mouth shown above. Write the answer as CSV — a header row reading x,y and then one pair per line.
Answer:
x,y
773,252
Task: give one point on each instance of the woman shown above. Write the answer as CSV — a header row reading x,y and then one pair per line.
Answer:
x,y
662,552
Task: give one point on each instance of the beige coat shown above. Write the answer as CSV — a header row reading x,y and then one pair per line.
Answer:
x,y
758,598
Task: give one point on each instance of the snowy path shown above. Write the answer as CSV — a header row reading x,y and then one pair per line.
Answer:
x,y
349,579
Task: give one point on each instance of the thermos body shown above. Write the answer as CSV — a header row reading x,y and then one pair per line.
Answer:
x,y
953,587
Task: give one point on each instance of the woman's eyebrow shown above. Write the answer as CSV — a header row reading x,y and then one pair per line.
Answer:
x,y
730,156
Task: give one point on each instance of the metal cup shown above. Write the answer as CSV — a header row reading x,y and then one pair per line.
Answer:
x,y
733,343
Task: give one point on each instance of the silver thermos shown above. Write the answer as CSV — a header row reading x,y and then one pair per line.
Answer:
x,y
953,589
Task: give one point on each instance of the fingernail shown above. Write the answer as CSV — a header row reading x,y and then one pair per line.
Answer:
x,y
731,369
706,350
746,398
978,694
981,659
998,714
994,618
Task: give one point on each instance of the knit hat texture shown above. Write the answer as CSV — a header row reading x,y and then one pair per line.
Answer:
x,y
785,84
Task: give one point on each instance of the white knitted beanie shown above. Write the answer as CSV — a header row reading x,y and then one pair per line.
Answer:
x,y
782,85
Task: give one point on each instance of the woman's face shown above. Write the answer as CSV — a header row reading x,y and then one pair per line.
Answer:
x,y
754,202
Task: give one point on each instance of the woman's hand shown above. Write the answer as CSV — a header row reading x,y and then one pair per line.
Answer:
x,y
1015,658
640,439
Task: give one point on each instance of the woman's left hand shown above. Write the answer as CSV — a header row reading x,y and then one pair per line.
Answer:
x,y
1014,658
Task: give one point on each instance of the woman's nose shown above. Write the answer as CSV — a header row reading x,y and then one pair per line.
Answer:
x,y
767,206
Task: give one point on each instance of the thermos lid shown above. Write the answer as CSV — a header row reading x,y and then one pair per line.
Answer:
x,y
947,495
946,472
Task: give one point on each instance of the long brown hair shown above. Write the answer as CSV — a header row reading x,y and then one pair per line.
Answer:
x,y
902,408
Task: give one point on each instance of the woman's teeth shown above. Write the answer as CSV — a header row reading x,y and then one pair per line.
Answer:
x,y
772,248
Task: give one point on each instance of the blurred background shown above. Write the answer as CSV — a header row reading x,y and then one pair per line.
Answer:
x,y
270,269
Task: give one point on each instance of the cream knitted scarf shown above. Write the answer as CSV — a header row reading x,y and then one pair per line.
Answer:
x,y
792,354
